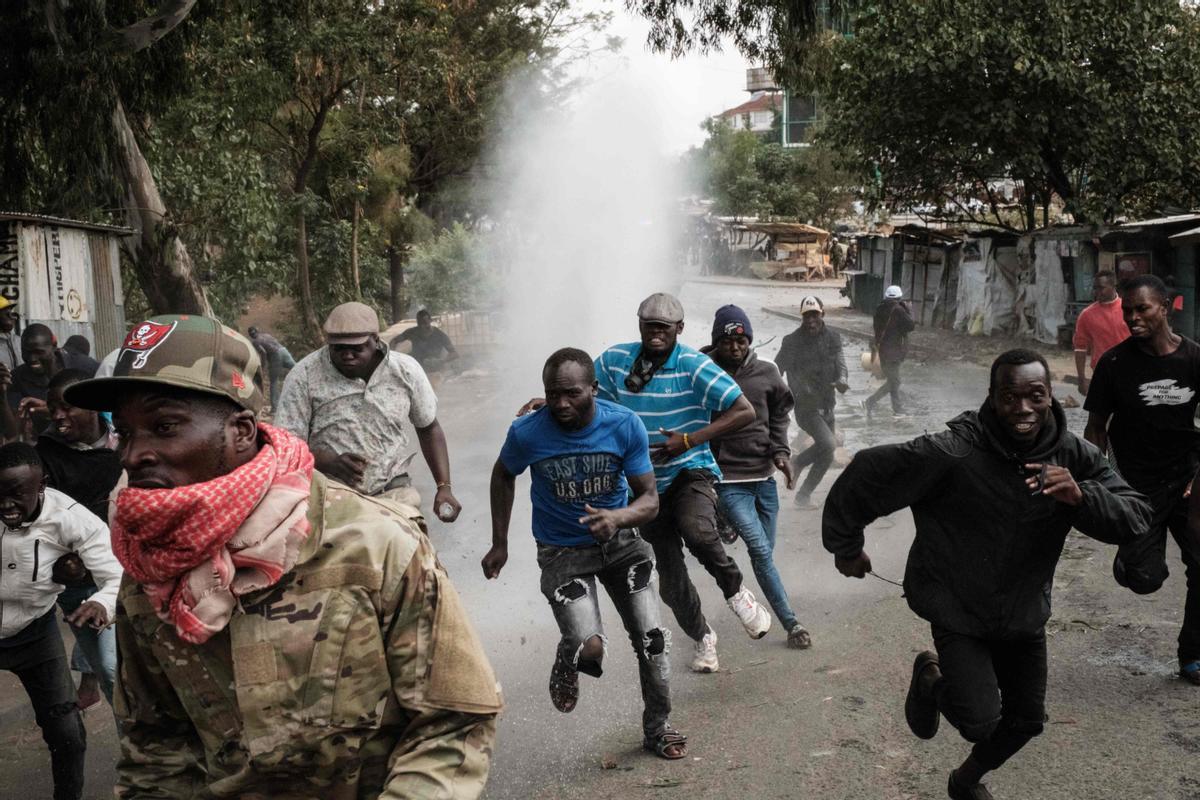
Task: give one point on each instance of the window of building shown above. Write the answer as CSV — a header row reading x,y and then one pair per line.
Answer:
x,y
801,115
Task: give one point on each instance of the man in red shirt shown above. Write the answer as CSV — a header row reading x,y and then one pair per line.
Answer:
x,y
1100,326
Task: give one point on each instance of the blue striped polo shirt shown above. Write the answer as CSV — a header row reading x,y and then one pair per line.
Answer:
x,y
681,397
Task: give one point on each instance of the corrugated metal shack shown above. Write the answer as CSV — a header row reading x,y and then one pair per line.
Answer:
x,y
65,274
1166,247
921,261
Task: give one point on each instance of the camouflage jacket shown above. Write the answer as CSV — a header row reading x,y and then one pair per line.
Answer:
x,y
357,676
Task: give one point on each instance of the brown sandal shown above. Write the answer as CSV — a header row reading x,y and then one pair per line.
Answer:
x,y
667,743
564,686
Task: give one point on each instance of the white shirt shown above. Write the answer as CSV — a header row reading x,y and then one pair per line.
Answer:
x,y
350,415
27,556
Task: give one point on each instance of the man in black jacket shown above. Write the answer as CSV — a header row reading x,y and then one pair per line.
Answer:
x,y
810,357
993,499
893,322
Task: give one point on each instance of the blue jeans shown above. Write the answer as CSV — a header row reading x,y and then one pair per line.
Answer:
x,y
752,508
95,651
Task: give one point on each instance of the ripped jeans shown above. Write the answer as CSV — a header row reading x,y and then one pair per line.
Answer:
x,y
625,567
40,662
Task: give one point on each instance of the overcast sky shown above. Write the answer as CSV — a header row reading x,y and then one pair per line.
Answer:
x,y
686,90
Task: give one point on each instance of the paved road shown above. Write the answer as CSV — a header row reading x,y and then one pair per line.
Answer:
x,y
774,722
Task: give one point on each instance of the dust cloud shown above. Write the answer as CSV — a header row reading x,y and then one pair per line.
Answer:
x,y
583,205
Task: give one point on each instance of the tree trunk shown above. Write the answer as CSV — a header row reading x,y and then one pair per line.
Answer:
x,y
160,259
354,276
307,310
396,270
299,186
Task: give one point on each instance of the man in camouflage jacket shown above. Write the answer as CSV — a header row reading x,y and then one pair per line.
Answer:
x,y
355,675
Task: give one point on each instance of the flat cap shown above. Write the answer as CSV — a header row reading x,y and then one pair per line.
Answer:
x,y
661,307
351,323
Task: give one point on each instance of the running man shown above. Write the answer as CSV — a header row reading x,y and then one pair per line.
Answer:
x,y
585,455
749,457
675,390
1142,401
993,499
811,359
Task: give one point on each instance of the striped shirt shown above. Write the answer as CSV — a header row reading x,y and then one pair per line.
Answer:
x,y
680,397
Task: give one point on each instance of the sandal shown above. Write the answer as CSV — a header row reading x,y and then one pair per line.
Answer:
x,y
564,686
1190,672
667,743
798,638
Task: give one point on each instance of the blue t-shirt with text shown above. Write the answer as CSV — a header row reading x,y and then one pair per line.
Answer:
x,y
571,469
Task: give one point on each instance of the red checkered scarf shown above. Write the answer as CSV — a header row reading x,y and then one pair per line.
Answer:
x,y
196,548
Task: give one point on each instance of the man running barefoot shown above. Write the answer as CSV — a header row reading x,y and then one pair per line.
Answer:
x,y
993,499
586,455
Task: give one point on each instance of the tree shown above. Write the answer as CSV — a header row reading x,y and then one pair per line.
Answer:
x,y
1091,103
449,272
783,35
746,175
72,76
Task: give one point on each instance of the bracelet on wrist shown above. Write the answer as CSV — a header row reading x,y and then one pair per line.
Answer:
x,y
443,485
687,443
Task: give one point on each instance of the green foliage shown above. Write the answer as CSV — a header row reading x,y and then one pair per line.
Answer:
x,y
787,36
745,175
249,112
450,272
60,78
1091,103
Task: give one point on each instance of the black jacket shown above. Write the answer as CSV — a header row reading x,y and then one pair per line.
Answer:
x,y
748,453
86,476
893,322
986,549
812,363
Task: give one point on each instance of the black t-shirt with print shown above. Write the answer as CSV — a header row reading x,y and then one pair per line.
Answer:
x,y
1152,400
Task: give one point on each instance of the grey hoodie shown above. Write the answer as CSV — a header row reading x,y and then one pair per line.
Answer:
x,y
748,454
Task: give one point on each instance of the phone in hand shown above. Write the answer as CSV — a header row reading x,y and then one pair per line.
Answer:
x,y
1040,480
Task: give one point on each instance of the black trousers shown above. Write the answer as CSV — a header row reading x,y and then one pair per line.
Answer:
x,y
993,690
41,665
687,515
1141,565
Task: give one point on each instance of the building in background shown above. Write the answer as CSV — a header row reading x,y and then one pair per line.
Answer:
x,y
66,275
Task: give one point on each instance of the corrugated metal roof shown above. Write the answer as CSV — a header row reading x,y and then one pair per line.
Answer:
x,y
786,228
1183,237
1158,221
62,222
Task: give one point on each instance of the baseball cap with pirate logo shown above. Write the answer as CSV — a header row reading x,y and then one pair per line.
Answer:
x,y
180,350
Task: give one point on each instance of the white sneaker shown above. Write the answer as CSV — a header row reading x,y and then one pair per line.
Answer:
x,y
705,659
754,617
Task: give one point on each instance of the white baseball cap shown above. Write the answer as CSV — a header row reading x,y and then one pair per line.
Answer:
x,y
811,303
893,293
